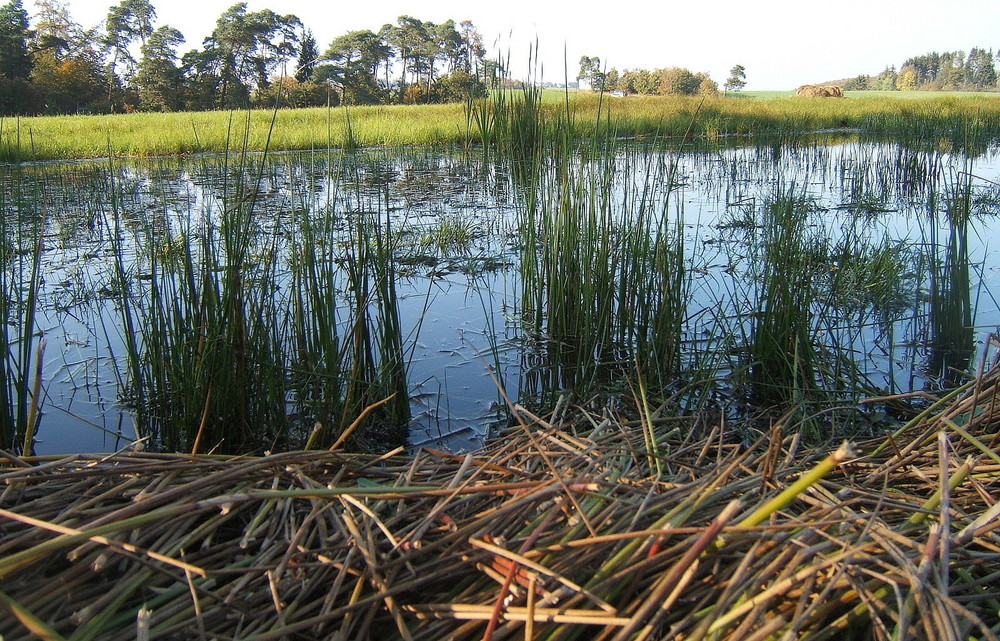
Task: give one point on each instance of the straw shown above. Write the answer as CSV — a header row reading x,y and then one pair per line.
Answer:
x,y
561,528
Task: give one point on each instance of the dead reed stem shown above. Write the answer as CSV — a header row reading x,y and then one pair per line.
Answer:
x,y
568,525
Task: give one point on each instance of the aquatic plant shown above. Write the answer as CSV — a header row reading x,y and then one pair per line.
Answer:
x,y
781,346
603,272
22,228
950,343
243,339
264,292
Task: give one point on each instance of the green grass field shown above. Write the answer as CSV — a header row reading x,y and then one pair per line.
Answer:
x,y
901,95
150,134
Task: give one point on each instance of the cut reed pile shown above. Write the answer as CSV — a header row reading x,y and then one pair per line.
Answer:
x,y
561,529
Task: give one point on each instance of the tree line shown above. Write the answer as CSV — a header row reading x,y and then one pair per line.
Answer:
x,y
666,81
50,64
948,71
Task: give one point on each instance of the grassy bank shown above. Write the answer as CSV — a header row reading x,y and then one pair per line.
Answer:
x,y
46,138
154,134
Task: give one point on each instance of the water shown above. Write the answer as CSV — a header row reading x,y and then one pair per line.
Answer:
x,y
458,246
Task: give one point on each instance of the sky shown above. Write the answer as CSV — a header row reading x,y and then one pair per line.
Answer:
x,y
781,43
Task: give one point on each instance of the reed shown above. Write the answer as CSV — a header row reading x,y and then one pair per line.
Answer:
x,y
205,366
557,531
603,269
806,304
515,129
782,352
375,337
950,344
243,340
22,237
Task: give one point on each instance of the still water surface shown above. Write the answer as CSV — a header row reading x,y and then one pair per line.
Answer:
x,y
459,284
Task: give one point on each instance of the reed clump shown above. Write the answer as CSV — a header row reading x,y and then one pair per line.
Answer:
x,y
950,288
22,231
782,344
249,326
560,529
603,270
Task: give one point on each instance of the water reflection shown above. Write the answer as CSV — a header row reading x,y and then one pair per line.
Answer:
x,y
897,240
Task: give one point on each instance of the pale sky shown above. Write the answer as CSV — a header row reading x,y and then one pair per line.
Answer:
x,y
781,43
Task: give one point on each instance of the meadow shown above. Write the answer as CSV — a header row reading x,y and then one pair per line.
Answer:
x,y
155,134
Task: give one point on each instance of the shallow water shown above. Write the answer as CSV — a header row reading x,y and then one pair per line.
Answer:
x,y
457,258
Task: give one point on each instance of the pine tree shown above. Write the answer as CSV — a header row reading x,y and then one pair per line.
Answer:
x,y
15,61
737,78
308,56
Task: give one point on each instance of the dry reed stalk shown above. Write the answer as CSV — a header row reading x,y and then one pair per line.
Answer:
x,y
561,527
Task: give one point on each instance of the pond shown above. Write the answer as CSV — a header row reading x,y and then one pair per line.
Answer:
x,y
250,302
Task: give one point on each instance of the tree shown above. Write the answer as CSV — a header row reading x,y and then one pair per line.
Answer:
x,y
428,56
57,31
612,80
67,76
494,73
906,79
678,81
70,85
979,69
951,75
926,67
886,81
451,45
201,82
590,72
737,78
858,83
358,52
459,86
473,50
15,61
289,92
707,86
16,94
245,48
158,77
308,57
128,21
410,39
352,61
639,81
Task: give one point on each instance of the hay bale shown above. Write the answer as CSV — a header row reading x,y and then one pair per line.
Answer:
x,y
820,91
